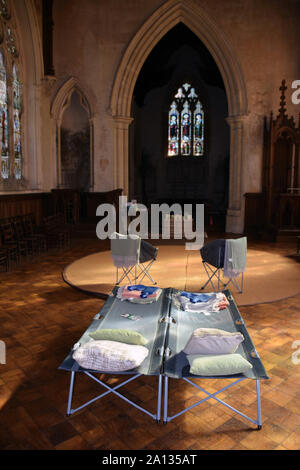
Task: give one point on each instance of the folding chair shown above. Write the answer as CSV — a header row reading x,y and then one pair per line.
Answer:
x,y
227,257
133,256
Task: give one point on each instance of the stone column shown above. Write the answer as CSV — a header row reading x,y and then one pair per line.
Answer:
x,y
235,211
92,169
121,150
58,154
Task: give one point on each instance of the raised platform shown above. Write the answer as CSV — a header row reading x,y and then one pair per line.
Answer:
x,y
270,275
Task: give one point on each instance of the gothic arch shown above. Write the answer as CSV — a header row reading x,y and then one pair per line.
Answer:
x,y
59,104
161,21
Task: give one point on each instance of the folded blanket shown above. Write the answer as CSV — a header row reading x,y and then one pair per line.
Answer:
x,y
131,293
195,298
144,291
202,303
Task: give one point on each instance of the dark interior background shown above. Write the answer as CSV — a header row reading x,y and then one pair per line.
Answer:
x,y
179,57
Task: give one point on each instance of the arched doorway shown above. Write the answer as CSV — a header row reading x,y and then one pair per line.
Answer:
x,y
163,20
75,146
176,162
73,122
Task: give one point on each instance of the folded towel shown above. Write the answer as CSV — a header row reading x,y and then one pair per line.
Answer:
x,y
214,303
147,295
145,290
235,257
195,298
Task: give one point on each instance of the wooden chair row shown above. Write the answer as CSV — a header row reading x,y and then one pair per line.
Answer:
x,y
21,238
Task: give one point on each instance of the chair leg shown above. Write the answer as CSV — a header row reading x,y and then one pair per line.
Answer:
x,y
145,272
214,273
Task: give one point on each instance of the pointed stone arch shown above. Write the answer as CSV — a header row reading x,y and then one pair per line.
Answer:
x,y
151,32
59,104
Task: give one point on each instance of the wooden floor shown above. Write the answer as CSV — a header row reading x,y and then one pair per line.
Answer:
x,y
41,318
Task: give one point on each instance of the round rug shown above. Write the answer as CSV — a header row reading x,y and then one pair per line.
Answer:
x,y
269,276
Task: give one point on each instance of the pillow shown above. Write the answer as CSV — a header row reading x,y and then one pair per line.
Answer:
x,y
223,364
213,341
110,356
123,336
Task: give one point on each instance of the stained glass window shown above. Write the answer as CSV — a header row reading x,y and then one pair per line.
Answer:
x,y
198,129
186,124
173,129
4,120
17,123
11,44
186,129
4,12
10,102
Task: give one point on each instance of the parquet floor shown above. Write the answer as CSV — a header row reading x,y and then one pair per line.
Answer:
x,y
41,318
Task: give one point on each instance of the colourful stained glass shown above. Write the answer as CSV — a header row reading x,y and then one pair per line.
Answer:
x,y
173,130
3,121
186,129
4,10
10,42
198,130
17,122
186,123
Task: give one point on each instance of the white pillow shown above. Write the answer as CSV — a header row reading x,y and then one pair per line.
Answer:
x,y
110,356
213,341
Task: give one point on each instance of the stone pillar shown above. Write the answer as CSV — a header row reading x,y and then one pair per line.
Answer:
x,y
121,150
58,155
92,169
235,211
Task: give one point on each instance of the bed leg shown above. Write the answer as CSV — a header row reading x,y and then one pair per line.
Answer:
x,y
159,398
69,411
259,425
166,401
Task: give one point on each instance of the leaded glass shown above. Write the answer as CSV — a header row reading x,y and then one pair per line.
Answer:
x,y
186,123
4,120
11,43
173,130
186,129
17,123
198,130
4,10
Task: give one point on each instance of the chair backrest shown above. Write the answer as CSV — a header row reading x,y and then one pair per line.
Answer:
x,y
18,229
213,252
125,249
7,232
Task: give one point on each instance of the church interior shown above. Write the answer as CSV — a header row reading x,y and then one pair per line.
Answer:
x,y
185,102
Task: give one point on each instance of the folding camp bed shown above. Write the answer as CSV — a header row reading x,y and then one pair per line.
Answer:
x,y
167,329
152,324
180,328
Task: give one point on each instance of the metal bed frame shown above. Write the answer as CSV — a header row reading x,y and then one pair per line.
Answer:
x,y
167,418
113,390
163,378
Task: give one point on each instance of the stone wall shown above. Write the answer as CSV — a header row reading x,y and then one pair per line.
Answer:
x,y
91,37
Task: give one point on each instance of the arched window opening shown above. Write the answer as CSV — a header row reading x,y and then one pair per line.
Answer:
x,y
186,124
10,103
17,124
4,131
75,144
